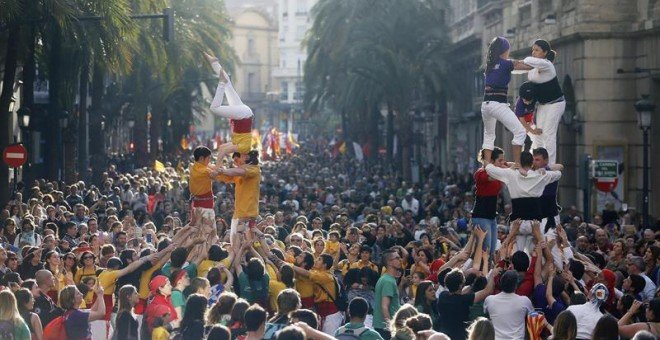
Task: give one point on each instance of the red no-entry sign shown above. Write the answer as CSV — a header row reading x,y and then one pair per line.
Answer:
x,y
15,155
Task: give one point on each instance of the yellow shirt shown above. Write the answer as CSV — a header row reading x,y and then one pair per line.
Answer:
x,y
243,141
206,265
143,290
332,247
160,333
82,273
359,265
274,289
246,191
108,280
304,286
200,182
325,279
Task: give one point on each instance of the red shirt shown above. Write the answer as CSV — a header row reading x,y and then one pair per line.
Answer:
x,y
485,186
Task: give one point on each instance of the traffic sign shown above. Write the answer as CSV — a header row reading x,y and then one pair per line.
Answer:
x,y
15,155
605,169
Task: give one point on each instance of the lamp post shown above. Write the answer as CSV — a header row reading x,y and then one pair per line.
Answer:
x,y
644,108
23,115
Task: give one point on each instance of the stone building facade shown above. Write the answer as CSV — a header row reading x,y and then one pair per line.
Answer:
x,y
599,44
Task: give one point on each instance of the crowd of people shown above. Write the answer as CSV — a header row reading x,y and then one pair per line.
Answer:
x,y
317,245
364,256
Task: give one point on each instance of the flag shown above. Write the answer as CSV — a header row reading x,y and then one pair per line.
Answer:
x,y
158,166
184,143
359,155
342,147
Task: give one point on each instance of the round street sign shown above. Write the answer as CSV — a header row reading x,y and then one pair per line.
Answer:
x,y
14,155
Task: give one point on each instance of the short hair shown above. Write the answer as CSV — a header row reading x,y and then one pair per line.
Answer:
x,y
288,300
541,152
526,159
638,262
520,261
290,332
358,308
201,152
254,317
214,276
308,260
255,269
509,281
419,322
67,298
219,332
327,260
454,280
178,257
198,282
307,316
216,253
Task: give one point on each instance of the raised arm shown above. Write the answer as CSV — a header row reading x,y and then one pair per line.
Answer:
x,y
540,63
520,65
498,173
482,294
233,172
98,310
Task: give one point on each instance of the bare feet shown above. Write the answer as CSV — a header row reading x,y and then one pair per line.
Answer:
x,y
217,68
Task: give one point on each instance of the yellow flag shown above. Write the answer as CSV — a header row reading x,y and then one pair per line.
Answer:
x,y
342,148
158,166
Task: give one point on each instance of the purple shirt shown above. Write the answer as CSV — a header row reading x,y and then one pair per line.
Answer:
x,y
539,301
500,75
523,109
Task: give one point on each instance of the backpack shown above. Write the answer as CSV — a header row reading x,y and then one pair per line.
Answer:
x,y
7,329
341,301
55,330
350,334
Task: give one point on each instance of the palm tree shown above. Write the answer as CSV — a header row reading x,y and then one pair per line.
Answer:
x,y
364,54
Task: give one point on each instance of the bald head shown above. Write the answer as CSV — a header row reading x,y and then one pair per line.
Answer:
x,y
44,278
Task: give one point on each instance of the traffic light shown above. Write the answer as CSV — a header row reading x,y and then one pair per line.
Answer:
x,y
168,24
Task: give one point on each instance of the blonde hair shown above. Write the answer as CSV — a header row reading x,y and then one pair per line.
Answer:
x,y
9,307
399,320
68,297
481,328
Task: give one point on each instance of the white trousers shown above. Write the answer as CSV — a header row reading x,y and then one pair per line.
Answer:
x,y
547,119
559,257
525,237
100,329
235,108
332,322
491,112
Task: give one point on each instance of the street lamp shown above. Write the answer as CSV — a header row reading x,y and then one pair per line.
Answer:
x,y
23,117
644,108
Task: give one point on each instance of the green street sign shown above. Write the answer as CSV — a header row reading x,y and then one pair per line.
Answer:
x,y
605,169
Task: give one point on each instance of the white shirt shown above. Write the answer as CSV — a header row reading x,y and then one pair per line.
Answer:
x,y
531,185
413,206
587,316
508,312
649,290
543,70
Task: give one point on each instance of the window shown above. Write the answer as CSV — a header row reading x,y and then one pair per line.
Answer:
x,y
251,83
284,32
300,91
545,8
251,49
284,90
300,32
525,14
301,7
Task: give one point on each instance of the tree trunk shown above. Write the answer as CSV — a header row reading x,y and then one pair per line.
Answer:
x,y
53,134
96,145
11,60
29,74
83,120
